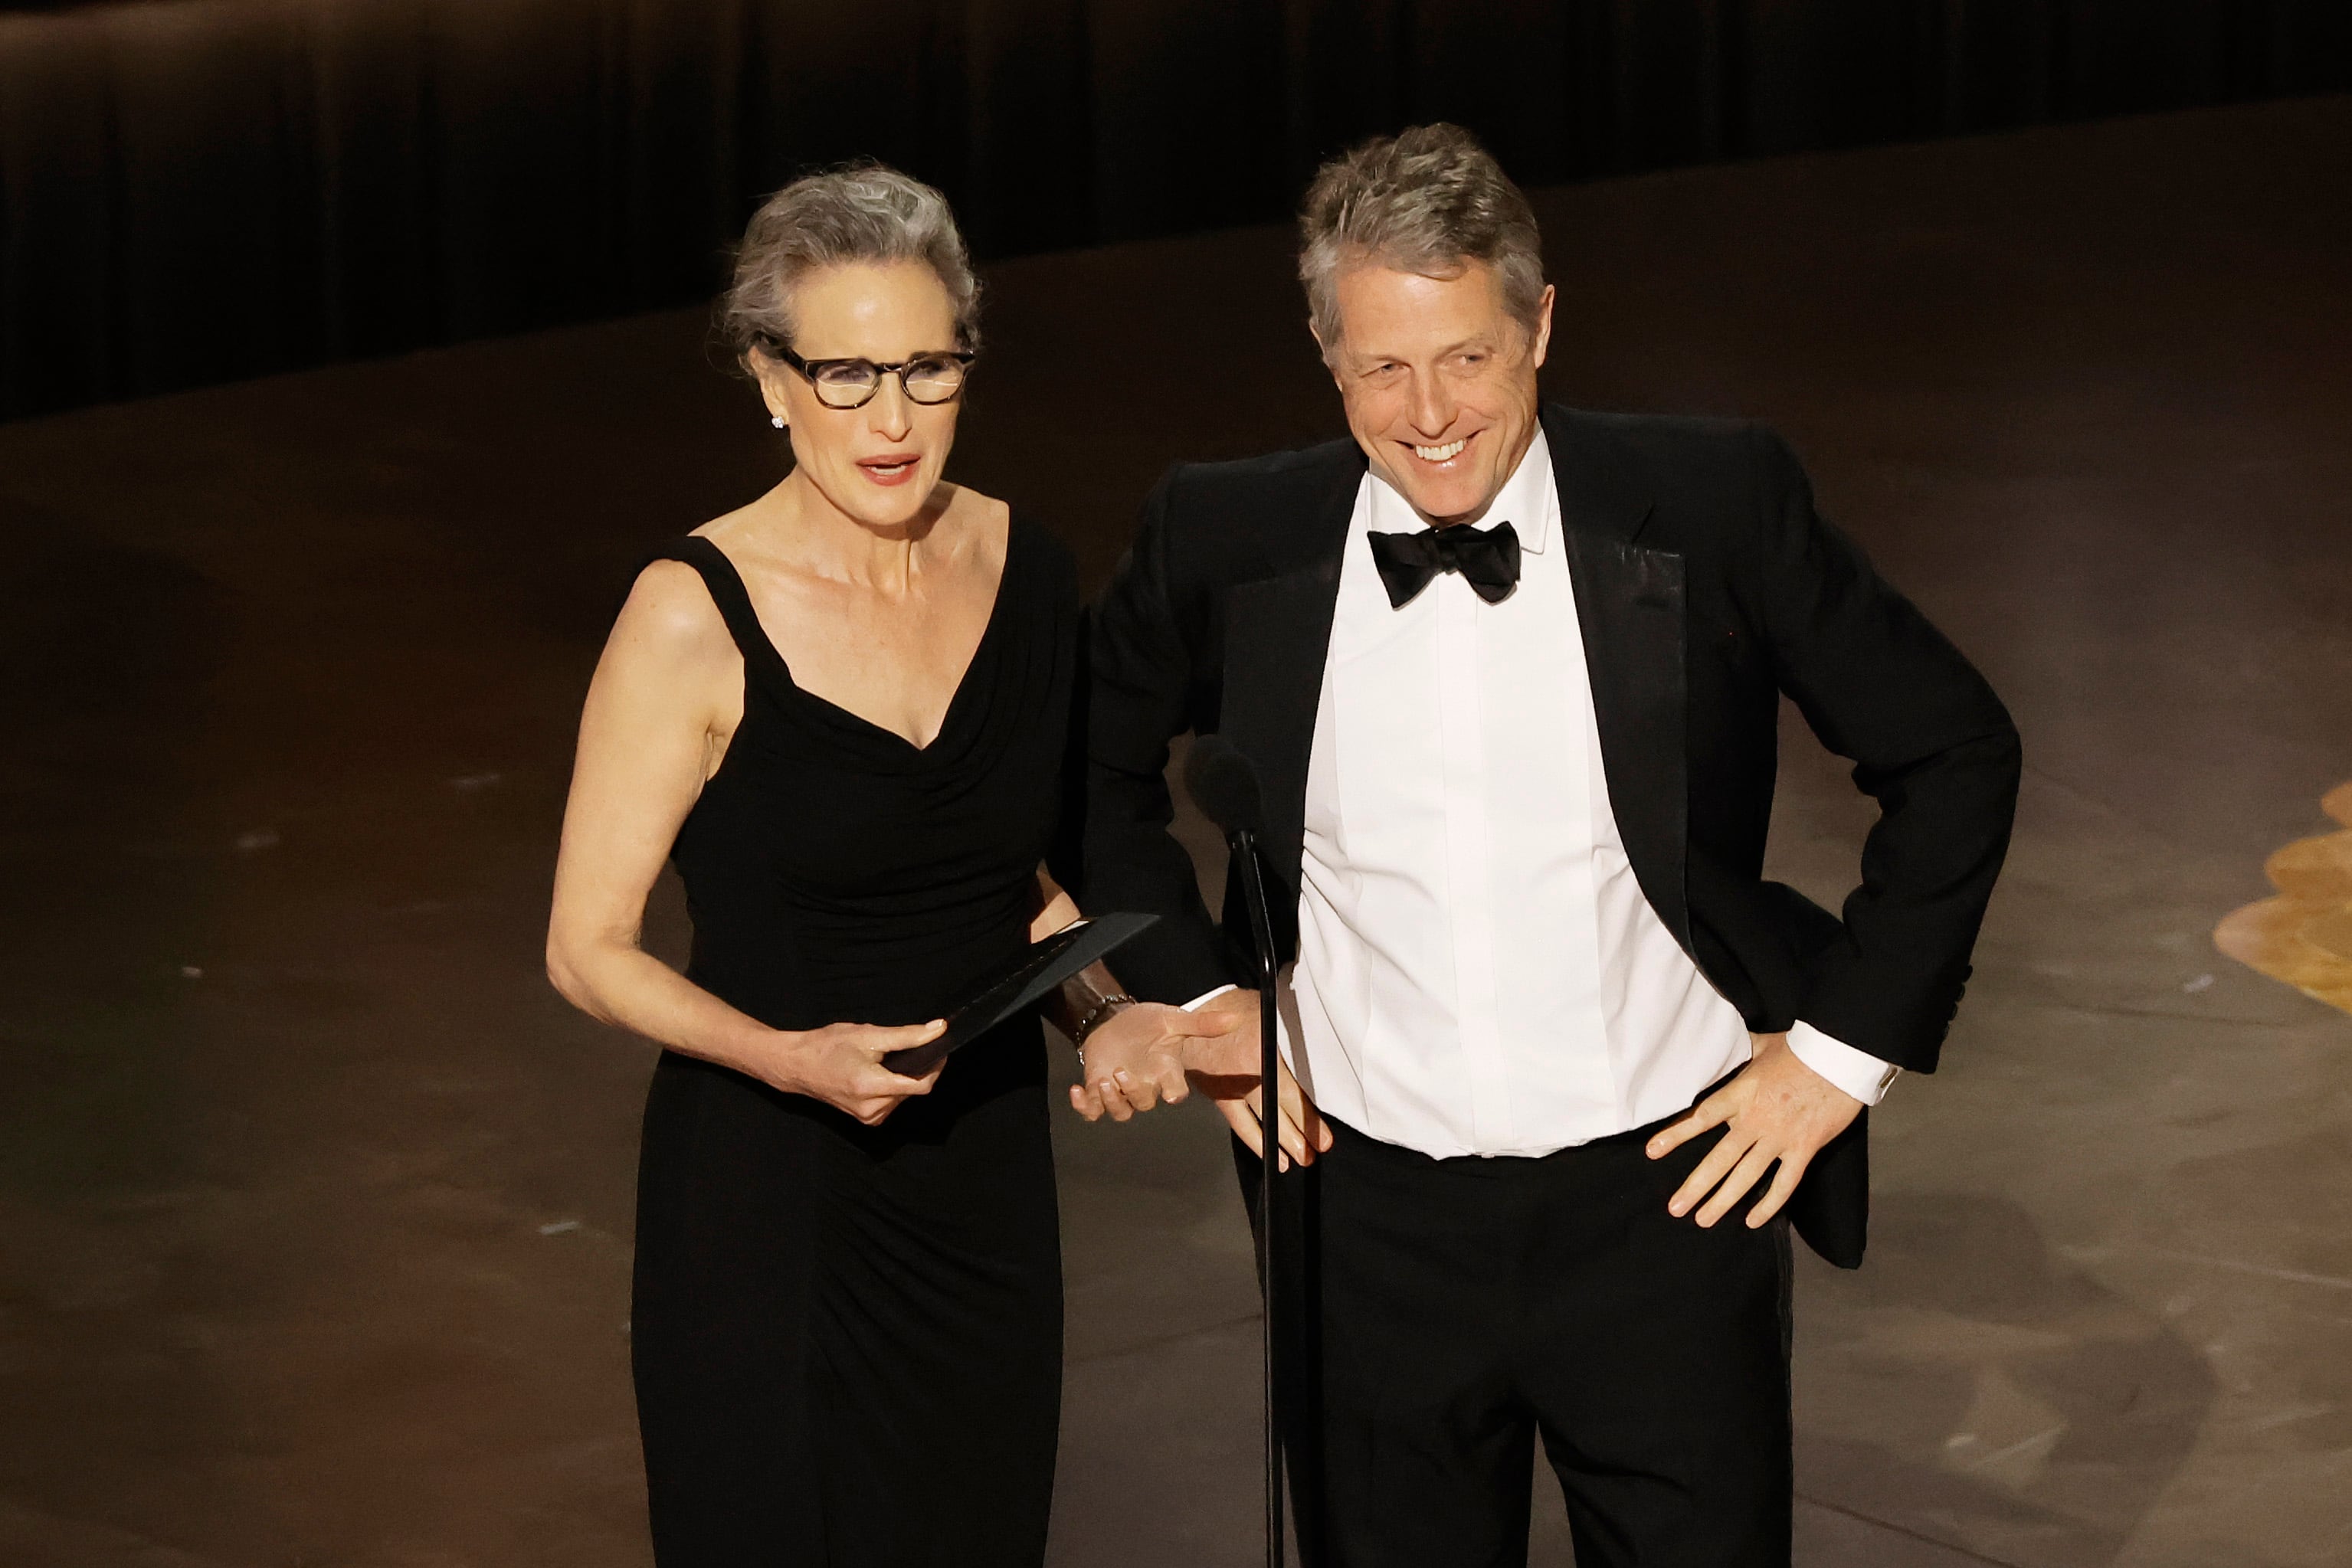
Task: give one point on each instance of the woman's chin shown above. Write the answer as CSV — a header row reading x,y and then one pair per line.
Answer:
x,y
881,501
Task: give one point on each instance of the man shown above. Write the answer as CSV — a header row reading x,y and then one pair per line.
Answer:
x,y
1510,676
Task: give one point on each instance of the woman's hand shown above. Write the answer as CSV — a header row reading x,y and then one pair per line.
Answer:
x,y
841,1064
1138,1059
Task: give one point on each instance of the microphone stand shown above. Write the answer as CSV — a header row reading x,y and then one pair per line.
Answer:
x,y
1243,845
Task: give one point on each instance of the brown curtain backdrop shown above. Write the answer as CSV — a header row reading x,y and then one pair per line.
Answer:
x,y
197,190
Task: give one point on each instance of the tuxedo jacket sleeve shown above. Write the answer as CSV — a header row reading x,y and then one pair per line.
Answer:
x,y
1146,688
1929,741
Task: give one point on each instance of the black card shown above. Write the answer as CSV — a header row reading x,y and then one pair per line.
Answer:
x,y
1041,967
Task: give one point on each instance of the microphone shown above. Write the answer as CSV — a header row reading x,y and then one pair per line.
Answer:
x,y
1224,783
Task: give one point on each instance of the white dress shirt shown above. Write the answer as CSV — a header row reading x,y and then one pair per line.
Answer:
x,y
1479,971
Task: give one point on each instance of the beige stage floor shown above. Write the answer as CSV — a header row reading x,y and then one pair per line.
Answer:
x,y
315,1201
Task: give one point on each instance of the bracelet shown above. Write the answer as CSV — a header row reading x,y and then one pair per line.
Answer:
x,y
1104,1009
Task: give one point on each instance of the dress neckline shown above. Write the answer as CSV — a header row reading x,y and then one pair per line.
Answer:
x,y
753,639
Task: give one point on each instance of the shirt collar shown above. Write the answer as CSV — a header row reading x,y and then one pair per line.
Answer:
x,y
1528,501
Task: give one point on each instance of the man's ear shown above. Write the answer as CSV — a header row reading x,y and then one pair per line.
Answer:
x,y
1543,326
1324,349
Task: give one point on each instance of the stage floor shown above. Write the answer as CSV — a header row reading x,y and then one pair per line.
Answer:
x,y
316,1200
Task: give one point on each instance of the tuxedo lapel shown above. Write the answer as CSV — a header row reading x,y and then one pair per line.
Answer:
x,y
1277,638
1631,608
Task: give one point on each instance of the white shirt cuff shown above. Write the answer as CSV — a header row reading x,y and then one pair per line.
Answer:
x,y
1857,1073
1205,998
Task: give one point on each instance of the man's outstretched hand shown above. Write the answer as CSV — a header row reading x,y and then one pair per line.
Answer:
x,y
1777,1110
1225,1068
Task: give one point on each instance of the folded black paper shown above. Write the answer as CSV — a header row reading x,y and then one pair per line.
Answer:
x,y
1041,967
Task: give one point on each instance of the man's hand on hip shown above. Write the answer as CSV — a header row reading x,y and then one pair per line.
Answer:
x,y
1777,1110
1225,1068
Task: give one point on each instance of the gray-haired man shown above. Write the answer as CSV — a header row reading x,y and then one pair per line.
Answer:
x,y
1510,675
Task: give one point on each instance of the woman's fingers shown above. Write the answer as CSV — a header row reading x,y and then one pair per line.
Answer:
x,y
1120,1085
873,1112
902,1084
1142,1091
1114,1099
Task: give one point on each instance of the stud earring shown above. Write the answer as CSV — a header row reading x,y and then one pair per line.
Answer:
x,y
777,420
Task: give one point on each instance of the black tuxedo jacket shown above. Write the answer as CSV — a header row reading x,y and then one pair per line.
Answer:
x,y
1706,587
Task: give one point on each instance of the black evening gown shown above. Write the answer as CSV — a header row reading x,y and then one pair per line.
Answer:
x,y
848,1341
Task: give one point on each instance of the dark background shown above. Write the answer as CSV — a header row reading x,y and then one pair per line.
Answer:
x,y
315,1199
194,190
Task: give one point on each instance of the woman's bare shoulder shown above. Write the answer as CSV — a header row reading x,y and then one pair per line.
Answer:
x,y
669,618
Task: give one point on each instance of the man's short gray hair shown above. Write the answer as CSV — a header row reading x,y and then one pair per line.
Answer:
x,y
862,213
1426,200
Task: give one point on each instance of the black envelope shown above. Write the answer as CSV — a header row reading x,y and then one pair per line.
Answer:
x,y
1041,967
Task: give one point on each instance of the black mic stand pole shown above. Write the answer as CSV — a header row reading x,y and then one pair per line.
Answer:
x,y
1244,855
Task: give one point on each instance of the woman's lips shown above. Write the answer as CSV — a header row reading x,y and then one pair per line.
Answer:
x,y
891,468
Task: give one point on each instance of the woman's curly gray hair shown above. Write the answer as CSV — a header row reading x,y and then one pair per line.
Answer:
x,y
862,213
1425,200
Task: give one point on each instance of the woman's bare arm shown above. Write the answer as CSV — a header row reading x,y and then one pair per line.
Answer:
x,y
663,704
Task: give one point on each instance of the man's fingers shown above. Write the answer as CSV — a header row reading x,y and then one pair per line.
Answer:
x,y
1087,1104
1291,1143
1300,1117
1711,1111
1784,1186
1319,1131
1242,1117
1296,1141
1711,1170
1175,1087
1744,1176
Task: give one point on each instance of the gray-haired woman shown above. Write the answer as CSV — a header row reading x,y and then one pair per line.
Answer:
x,y
844,712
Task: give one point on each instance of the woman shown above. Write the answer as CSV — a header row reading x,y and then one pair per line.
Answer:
x,y
843,711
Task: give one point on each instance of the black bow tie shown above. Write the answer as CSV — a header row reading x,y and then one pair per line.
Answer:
x,y
1488,559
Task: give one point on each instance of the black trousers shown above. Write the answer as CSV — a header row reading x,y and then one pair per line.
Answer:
x,y
1437,1317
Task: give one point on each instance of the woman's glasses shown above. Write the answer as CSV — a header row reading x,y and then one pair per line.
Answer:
x,y
852,383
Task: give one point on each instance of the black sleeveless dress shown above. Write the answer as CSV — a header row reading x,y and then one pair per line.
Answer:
x,y
848,1341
